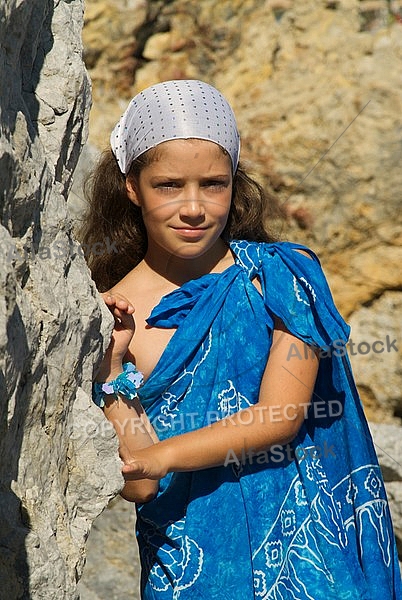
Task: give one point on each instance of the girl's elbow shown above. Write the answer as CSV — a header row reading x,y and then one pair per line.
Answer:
x,y
292,429
139,492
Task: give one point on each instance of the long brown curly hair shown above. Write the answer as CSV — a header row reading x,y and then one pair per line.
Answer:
x,y
113,234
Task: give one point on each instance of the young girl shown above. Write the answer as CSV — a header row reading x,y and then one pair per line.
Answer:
x,y
243,438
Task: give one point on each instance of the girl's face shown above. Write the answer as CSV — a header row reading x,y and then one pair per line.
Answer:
x,y
185,196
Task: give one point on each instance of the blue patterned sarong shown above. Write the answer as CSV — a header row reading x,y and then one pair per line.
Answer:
x,y
306,521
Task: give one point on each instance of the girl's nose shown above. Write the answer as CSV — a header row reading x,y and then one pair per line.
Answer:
x,y
192,205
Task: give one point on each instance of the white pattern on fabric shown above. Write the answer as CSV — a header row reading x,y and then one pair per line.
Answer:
x,y
298,291
231,401
170,407
186,569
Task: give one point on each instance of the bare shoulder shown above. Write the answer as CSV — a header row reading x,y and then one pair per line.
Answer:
x,y
135,286
303,252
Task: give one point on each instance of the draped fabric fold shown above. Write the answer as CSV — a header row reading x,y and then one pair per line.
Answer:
x,y
306,521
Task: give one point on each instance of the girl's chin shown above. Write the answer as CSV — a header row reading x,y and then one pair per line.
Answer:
x,y
188,244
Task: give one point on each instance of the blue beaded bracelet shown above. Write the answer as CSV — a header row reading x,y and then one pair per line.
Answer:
x,y
126,384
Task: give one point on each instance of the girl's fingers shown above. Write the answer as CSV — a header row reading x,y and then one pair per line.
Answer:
x,y
123,318
145,466
134,470
112,300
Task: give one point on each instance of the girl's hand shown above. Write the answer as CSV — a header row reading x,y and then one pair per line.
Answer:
x,y
122,334
147,463
124,326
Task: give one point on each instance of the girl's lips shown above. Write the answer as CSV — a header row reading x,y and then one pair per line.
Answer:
x,y
190,228
190,232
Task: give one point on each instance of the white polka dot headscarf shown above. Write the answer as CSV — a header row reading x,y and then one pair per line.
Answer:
x,y
179,109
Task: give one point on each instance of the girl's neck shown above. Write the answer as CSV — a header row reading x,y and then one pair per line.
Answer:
x,y
179,270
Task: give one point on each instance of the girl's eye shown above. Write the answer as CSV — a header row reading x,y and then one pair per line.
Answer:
x,y
167,185
215,184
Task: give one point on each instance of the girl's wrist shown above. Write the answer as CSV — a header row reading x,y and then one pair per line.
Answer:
x,y
125,384
110,371
168,455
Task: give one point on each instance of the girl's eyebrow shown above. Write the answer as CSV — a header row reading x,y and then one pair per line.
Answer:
x,y
218,178
222,176
156,178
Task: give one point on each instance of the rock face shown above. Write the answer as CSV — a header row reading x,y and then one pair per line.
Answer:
x,y
378,352
59,464
388,444
112,571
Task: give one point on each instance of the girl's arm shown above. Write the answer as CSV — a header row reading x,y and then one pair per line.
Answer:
x,y
132,426
134,432
285,394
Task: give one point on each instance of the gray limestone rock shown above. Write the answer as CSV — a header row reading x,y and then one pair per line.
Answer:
x,y
112,570
59,465
376,352
388,444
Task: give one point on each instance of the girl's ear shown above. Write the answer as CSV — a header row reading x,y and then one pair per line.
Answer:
x,y
132,192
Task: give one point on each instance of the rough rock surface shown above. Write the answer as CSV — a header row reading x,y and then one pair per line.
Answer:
x,y
112,569
388,443
377,346
59,464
